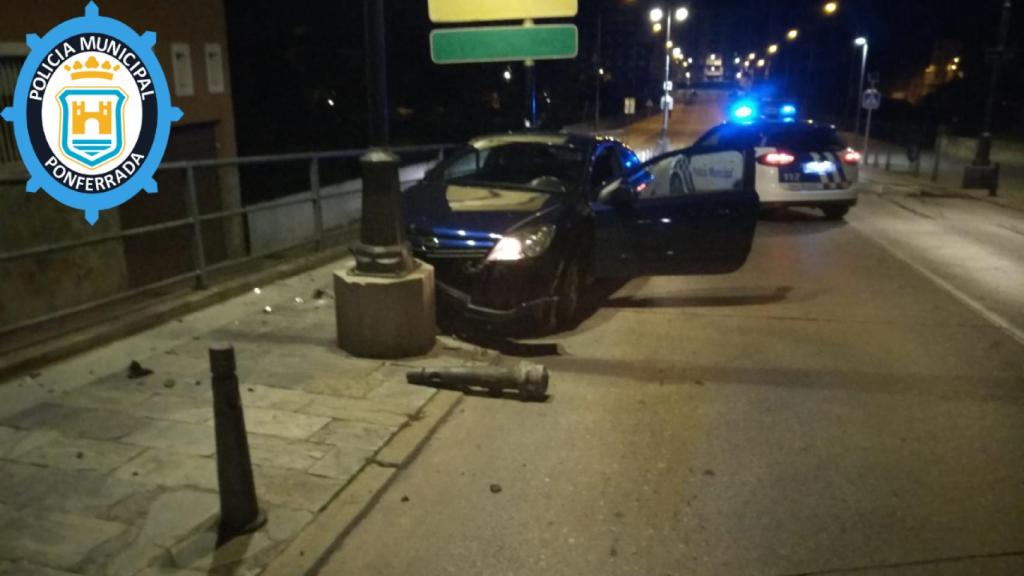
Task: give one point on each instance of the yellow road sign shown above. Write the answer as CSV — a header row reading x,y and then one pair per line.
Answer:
x,y
444,11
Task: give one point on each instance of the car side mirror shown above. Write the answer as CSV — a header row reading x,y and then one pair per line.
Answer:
x,y
618,193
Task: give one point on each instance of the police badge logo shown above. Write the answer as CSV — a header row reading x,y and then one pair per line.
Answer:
x,y
92,113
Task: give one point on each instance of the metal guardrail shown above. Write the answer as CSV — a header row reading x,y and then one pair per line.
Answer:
x,y
194,219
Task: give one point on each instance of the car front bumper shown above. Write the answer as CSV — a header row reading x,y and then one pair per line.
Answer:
x,y
463,304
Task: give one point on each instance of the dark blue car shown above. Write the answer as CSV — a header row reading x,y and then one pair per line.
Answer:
x,y
516,225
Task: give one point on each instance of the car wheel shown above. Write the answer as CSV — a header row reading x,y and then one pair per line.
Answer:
x,y
835,212
570,292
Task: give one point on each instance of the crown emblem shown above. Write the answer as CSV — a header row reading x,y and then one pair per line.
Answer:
x,y
92,69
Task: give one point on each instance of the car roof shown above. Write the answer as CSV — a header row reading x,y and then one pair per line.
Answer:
x,y
571,140
779,126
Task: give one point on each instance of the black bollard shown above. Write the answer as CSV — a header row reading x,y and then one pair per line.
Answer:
x,y
239,511
529,380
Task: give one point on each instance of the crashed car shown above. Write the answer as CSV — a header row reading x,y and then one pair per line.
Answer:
x,y
516,225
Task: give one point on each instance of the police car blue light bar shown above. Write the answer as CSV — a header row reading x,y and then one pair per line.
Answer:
x,y
744,111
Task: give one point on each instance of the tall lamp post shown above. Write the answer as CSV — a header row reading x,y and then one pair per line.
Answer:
x,y
982,155
656,15
863,43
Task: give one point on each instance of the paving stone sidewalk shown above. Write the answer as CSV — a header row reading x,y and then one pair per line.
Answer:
x,y
105,474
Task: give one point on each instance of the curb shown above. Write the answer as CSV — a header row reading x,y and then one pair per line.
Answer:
x,y
307,553
174,306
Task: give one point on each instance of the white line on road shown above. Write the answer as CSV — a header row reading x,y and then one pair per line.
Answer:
x,y
1014,332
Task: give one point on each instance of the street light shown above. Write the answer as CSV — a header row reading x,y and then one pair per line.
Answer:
x,y
830,8
792,34
677,52
656,15
507,75
773,48
760,63
736,60
862,42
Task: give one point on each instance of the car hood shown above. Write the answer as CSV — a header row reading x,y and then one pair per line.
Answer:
x,y
476,210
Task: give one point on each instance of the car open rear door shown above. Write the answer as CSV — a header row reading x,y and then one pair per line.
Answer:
x,y
686,212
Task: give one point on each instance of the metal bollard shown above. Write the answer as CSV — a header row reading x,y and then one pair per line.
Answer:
x,y
888,161
239,510
530,380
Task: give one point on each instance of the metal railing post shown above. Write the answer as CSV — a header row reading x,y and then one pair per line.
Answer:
x,y
198,252
318,208
888,161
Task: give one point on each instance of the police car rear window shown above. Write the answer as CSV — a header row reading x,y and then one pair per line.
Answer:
x,y
803,138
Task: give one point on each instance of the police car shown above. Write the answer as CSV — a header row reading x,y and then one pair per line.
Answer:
x,y
798,162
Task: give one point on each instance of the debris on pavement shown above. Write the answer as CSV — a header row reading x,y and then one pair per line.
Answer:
x,y
136,370
257,291
530,380
405,498
299,300
321,294
495,488
267,309
169,383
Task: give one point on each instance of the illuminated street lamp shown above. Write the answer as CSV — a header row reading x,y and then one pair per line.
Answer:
x,y
830,8
792,34
507,75
656,15
862,42
773,48
677,53
736,60
760,63
751,56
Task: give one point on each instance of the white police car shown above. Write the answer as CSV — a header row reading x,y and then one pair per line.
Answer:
x,y
798,162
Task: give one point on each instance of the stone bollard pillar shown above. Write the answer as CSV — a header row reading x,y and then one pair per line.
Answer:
x,y
239,510
384,305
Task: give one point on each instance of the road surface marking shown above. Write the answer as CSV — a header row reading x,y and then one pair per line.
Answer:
x,y
1014,332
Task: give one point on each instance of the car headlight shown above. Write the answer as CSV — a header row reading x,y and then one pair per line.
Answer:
x,y
526,243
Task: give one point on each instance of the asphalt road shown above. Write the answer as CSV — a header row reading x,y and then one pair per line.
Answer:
x,y
850,402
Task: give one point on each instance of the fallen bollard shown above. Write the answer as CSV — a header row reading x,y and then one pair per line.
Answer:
x,y
530,380
239,511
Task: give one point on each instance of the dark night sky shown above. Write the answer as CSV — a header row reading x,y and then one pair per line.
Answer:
x,y
318,47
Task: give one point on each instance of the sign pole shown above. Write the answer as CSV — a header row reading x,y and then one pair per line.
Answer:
x,y
531,94
867,134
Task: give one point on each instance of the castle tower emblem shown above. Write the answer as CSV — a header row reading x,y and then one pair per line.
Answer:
x,y
92,111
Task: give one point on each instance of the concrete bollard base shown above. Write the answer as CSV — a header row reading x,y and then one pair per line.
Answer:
x,y
381,317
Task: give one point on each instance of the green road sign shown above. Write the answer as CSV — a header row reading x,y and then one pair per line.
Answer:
x,y
504,43
448,11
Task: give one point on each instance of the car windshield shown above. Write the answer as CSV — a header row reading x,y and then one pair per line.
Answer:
x,y
542,167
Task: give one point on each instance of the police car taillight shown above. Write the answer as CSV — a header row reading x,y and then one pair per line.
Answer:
x,y
776,159
851,157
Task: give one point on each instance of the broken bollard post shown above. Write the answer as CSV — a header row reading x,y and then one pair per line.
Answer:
x,y
239,511
530,380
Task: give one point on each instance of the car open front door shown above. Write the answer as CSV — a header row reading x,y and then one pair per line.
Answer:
x,y
686,212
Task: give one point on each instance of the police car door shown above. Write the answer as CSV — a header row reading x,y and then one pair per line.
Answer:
x,y
685,212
